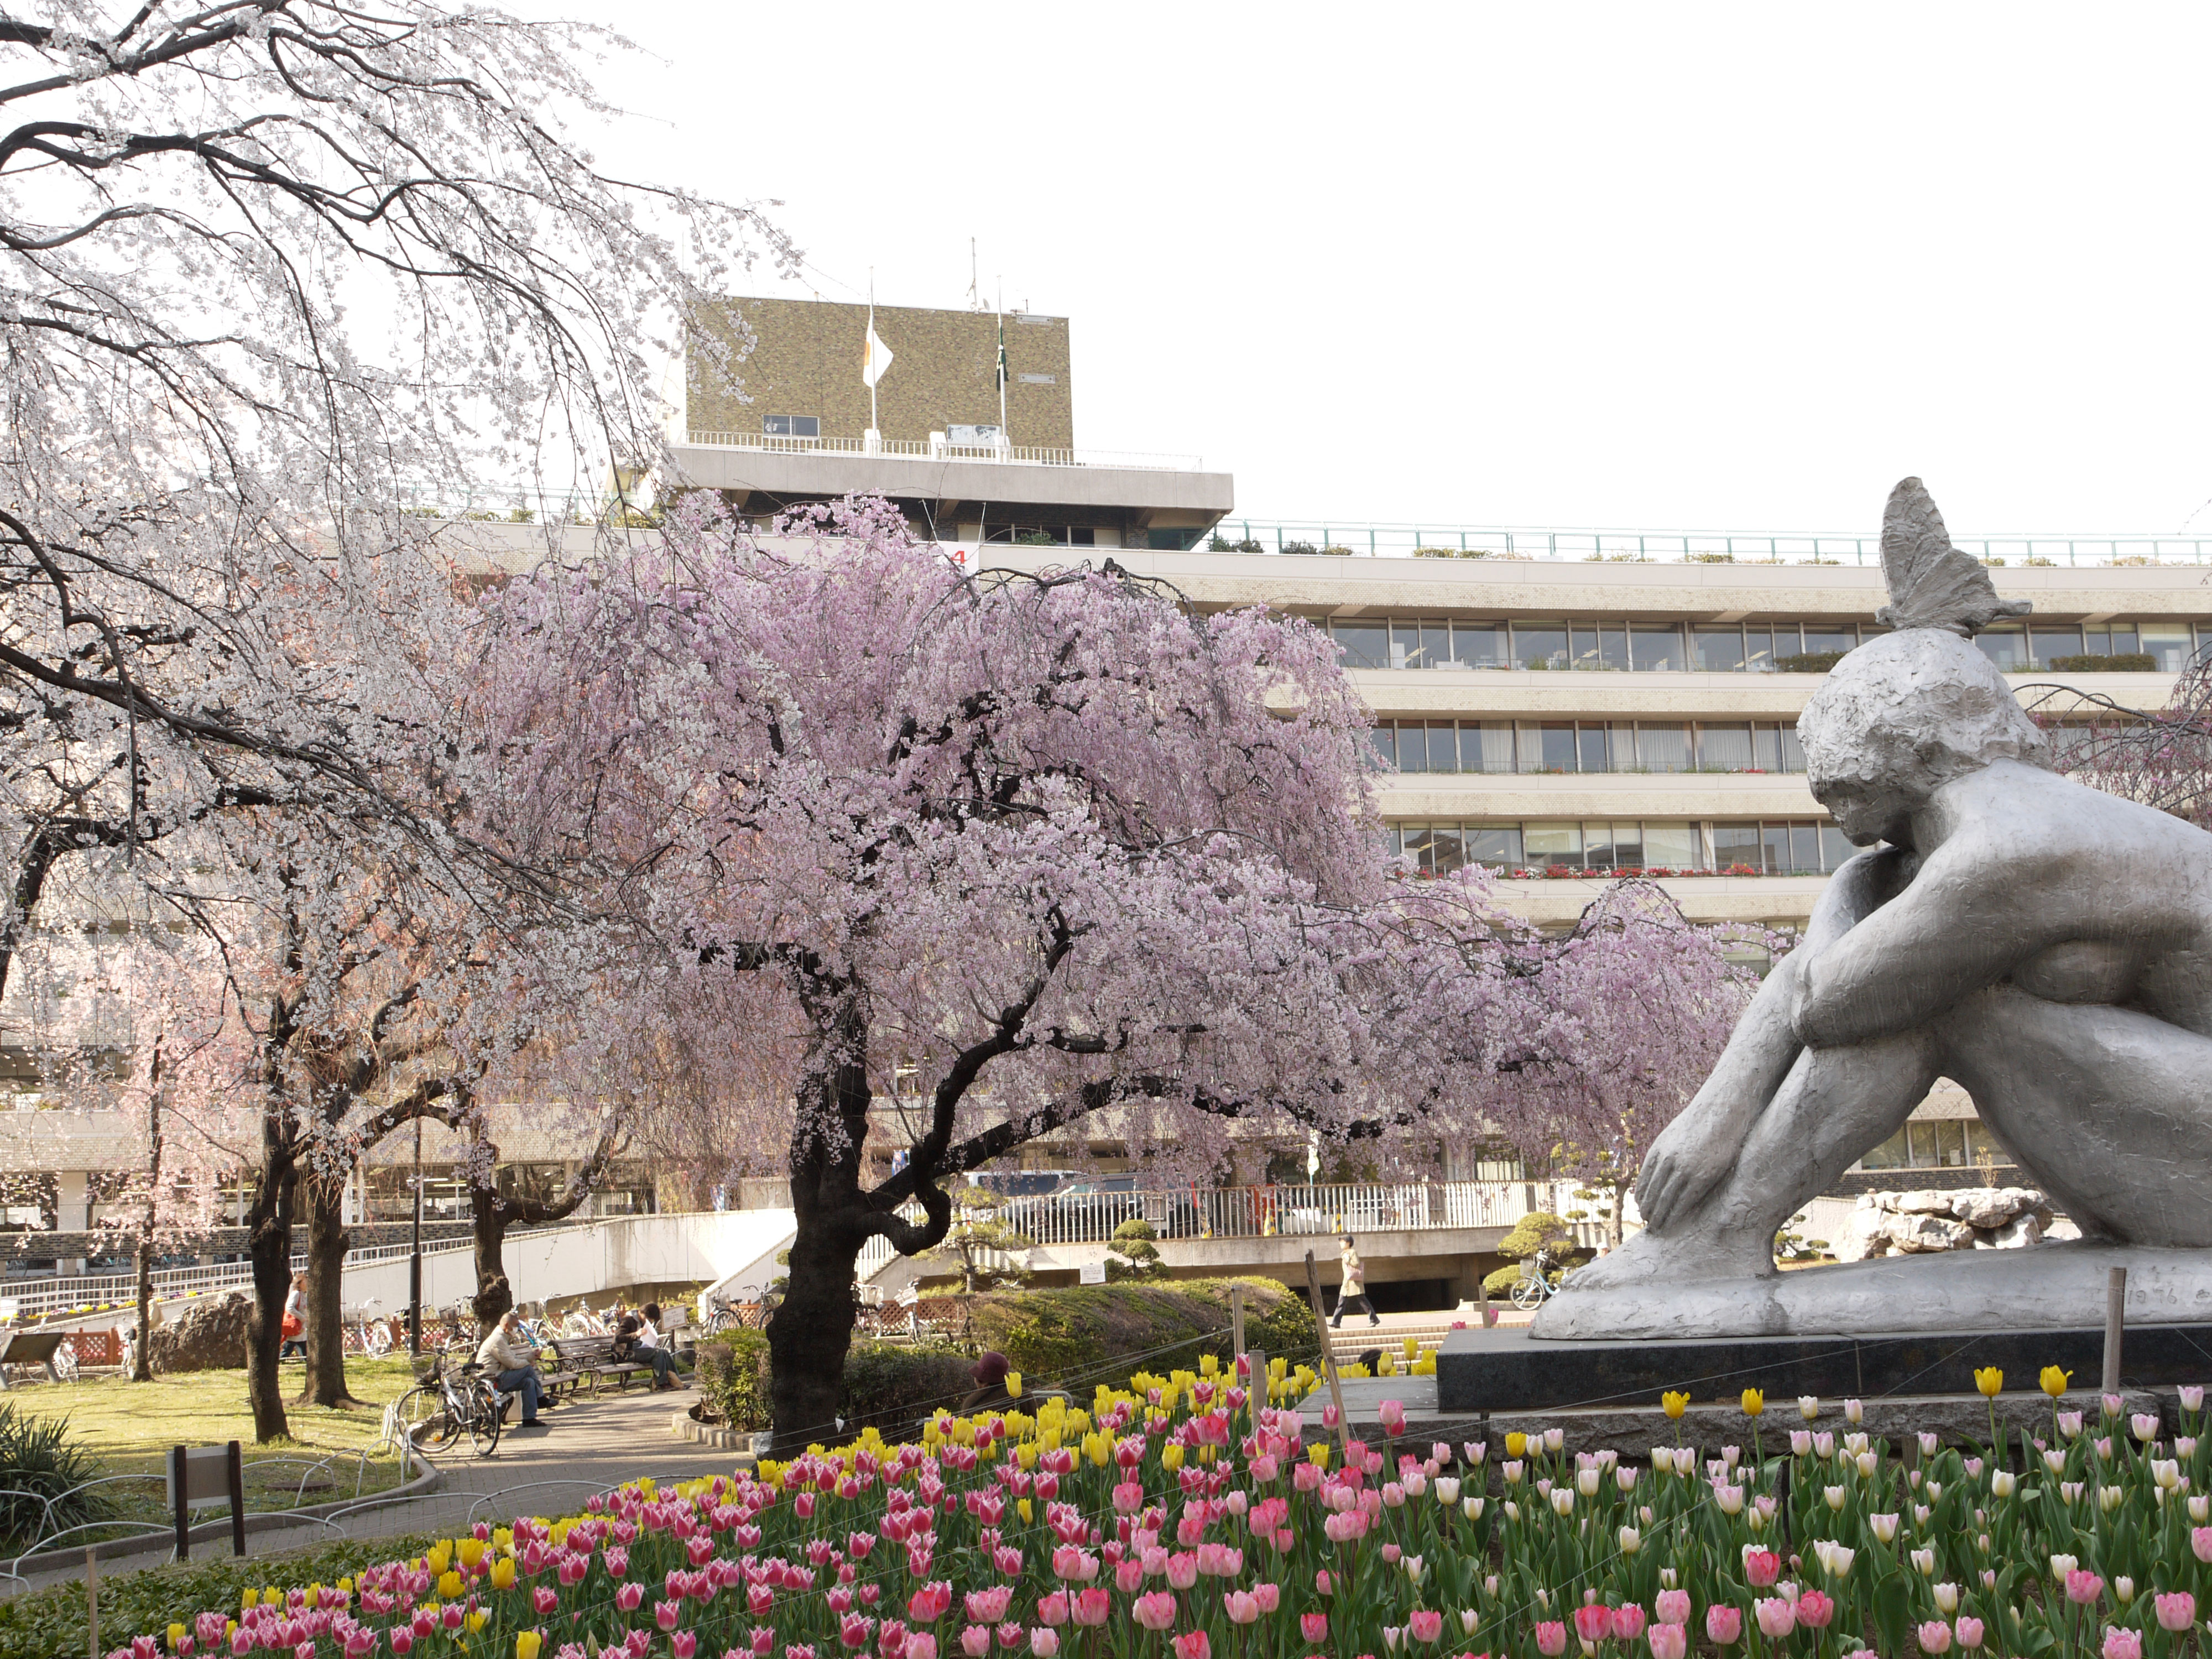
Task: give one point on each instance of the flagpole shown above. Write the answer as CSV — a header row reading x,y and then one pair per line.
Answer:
x,y
1005,435
873,376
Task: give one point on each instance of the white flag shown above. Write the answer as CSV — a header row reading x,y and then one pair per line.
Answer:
x,y
875,357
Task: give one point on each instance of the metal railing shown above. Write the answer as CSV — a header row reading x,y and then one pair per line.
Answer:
x,y
50,1299
1678,546
1090,1218
925,450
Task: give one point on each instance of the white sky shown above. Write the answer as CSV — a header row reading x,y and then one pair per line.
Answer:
x,y
1636,265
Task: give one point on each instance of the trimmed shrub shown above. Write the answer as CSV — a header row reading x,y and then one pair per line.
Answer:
x,y
890,1385
732,1374
1133,1255
1808,662
2120,662
1088,1333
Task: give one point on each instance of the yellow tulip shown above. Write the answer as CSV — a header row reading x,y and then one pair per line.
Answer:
x,y
450,1586
346,1585
1989,1380
1754,1401
229,1629
472,1551
248,1599
1022,1504
176,1636
1013,1385
1317,1454
527,1645
1675,1404
1516,1443
2055,1381
502,1573
476,1620
1171,1454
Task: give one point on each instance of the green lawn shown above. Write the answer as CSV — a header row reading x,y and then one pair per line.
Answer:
x,y
129,1428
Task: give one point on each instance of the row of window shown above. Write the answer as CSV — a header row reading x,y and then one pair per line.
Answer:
x,y
1442,745
1942,1144
1772,847
1722,648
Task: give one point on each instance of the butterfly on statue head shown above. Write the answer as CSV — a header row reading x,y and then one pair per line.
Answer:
x,y
1931,583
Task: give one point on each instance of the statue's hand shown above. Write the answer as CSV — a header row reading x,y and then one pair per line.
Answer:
x,y
1686,1163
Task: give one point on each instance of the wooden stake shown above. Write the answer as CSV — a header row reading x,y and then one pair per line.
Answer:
x,y
1328,1354
1235,1320
92,1601
2116,1315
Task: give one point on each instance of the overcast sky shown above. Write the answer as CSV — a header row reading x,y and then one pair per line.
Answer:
x,y
1656,265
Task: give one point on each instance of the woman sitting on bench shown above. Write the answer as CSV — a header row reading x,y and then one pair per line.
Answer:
x,y
638,1341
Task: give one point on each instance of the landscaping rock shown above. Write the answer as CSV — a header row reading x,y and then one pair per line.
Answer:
x,y
2016,1234
1921,1235
207,1336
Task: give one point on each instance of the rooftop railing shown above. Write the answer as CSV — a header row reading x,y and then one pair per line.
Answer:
x,y
916,449
1677,546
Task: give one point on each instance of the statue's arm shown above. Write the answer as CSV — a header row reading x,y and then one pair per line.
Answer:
x,y
1700,1145
1972,914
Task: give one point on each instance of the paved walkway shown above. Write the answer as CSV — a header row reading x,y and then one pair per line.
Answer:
x,y
587,1446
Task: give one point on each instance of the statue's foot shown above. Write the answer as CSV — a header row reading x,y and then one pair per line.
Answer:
x,y
1644,1287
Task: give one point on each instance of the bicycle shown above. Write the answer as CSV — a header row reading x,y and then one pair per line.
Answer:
x,y
1535,1286
448,1404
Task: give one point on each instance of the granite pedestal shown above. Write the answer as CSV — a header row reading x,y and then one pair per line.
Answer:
x,y
1507,1371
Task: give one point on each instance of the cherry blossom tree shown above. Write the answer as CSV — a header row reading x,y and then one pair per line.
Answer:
x,y
1008,853
2161,757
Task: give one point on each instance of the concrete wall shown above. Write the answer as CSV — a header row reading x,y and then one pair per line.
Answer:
x,y
806,356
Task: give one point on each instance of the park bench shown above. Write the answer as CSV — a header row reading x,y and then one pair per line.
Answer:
x,y
582,1359
30,1348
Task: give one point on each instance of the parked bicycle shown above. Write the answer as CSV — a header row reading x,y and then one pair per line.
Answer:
x,y
1535,1286
447,1404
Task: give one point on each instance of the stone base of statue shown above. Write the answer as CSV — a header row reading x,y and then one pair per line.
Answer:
x,y
1509,1370
2046,1287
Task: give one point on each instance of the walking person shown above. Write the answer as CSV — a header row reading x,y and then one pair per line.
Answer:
x,y
294,1327
1354,1288
514,1370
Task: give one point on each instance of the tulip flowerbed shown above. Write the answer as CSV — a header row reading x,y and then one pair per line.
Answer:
x,y
1185,1518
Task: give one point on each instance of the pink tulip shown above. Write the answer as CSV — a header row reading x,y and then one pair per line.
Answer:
x,y
1044,1642
1324,1583
2200,1541
1270,1596
1970,1632
1935,1637
1314,1627
1628,1622
1092,1605
1241,1607
1154,1611
975,1641
1593,1621
667,1615
627,1597
1182,1570
1193,1644
930,1603
1054,1608
1723,1624
1393,1415
988,1607
2176,1611
2123,1643
1776,1618
1761,1568
1814,1610
1129,1574
2083,1587
1668,1642
683,1644
921,1645
1551,1638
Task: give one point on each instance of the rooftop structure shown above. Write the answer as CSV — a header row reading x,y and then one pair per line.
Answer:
x,y
778,415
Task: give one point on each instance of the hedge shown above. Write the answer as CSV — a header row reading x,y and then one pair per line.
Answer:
x,y
1088,1333
891,1385
732,1373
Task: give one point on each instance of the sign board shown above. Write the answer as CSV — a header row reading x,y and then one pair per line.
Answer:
x,y
1091,1272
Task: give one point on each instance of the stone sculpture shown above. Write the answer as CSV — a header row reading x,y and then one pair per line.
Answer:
x,y
2047,946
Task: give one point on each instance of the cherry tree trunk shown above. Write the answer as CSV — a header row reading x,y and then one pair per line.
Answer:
x,y
269,1250
495,1292
322,1309
142,1369
810,1333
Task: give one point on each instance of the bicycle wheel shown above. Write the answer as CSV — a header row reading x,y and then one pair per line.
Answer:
x,y
1529,1293
420,1414
483,1417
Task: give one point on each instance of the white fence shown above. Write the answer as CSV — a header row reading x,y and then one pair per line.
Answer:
x,y
939,450
1090,1218
580,1259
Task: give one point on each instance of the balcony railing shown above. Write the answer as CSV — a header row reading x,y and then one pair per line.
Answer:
x,y
1677,546
916,449
1090,1218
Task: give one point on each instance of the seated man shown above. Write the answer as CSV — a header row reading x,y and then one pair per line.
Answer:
x,y
514,1369
2046,944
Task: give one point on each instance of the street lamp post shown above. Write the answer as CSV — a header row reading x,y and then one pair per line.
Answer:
x,y
415,1260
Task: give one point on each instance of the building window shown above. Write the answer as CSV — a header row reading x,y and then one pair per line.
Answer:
x,y
1789,847
1937,1144
792,426
1556,746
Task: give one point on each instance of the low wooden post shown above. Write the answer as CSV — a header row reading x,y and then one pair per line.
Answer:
x,y
92,1601
1328,1355
181,1498
1256,1387
1489,1313
2116,1315
237,1500
1236,1321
